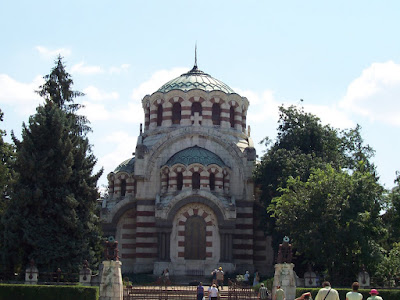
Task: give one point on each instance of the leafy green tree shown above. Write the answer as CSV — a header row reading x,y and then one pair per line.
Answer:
x,y
391,216
52,215
302,143
389,269
333,219
304,146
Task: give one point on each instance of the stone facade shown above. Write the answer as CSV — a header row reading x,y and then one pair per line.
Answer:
x,y
185,201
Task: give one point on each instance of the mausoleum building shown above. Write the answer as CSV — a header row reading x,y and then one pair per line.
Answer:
x,y
185,200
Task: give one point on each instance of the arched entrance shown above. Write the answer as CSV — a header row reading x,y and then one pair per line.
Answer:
x,y
195,238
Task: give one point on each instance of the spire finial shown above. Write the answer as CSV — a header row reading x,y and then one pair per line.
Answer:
x,y
195,55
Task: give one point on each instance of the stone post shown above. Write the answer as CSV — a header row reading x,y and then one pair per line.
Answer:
x,y
31,273
310,278
284,277
111,287
363,278
85,275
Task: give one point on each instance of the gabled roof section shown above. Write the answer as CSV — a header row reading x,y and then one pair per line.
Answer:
x,y
193,155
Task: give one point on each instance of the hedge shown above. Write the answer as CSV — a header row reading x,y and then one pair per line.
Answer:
x,y
385,294
47,292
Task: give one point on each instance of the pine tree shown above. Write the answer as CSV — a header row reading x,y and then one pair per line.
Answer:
x,y
52,214
6,175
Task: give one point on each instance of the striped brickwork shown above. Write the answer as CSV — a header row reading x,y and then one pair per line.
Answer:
x,y
115,184
169,177
151,107
243,247
146,234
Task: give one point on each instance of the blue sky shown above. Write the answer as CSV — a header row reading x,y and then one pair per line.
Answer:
x,y
341,57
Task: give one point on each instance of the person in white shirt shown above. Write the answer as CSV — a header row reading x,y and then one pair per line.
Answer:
x,y
354,295
327,292
213,292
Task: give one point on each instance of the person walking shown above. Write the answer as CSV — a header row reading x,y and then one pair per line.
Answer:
x,y
247,278
374,295
213,292
220,278
200,291
256,279
279,293
354,294
214,276
327,292
262,292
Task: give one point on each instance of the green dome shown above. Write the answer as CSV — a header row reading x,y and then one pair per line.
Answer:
x,y
195,79
127,166
195,154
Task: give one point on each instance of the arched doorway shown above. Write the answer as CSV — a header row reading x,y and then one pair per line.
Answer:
x,y
195,238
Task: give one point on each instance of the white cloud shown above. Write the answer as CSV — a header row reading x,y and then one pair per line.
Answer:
x,y
95,94
331,115
262,107
52,54
117,70
81,68
156,81
20,95
376,93
131,113
94,111
123,145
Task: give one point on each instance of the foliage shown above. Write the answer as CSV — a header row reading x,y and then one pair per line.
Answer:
x,y
389,268
6,174
34,292
391,216
51,217
333,219
321,189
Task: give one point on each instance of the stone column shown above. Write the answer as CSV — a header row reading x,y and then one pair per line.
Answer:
x,y
111,287
364,279
284,277
85,275
31,273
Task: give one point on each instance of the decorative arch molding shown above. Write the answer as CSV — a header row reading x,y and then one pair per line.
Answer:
x,y
181,134
223,215
119,209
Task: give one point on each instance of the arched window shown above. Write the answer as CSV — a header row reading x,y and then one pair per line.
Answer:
x,y
112,187
179,181
176,113
159,114
232,116
196,107
216,114
196,181
212,182
123,187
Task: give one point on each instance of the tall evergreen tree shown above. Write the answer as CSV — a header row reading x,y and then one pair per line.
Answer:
x,y
6,175
52,215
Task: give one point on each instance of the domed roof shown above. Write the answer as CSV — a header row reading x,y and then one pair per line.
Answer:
x,y
195,79
127,166
195,154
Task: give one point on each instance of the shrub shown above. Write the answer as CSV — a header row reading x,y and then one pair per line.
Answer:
x,y
47,292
